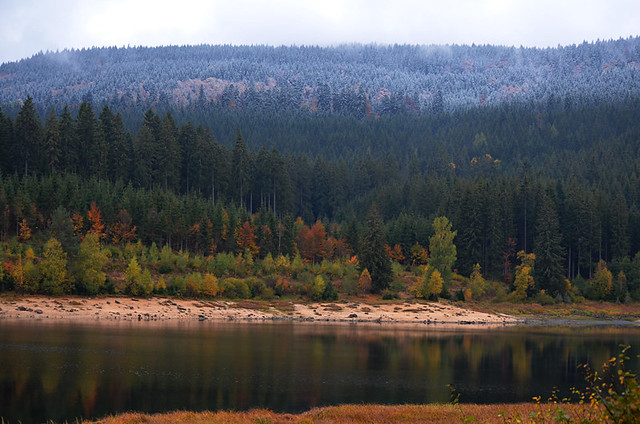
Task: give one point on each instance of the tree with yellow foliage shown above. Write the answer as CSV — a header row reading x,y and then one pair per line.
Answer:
x,y
523,279
24,232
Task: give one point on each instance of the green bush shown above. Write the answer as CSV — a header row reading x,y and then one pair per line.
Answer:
x,y
235,288
176,286
543,299
223,265
193,284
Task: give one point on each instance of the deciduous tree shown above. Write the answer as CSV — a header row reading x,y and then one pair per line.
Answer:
x,y
443,251
53,268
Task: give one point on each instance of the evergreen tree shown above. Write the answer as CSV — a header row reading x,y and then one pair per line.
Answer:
x,y
27,136
52,142
88,140
169,155
373,255
6,143
146,151
69,145
619,228
240,170
549,270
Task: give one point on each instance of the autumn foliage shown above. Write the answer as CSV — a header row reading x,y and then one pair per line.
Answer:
x,y
123,231
246,238
395,253
96,224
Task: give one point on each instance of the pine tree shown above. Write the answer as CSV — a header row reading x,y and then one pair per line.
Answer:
x,y
373,255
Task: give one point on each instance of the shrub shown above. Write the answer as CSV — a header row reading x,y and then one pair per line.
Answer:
x,y
181,261
210,285
233,288
166,256
193,284
330,292
224,264
160,287
543,298
176,285
318,287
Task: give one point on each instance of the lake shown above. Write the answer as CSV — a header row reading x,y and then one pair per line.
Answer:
x,y
64,370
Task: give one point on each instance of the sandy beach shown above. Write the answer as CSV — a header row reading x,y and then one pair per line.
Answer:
x,y
164,309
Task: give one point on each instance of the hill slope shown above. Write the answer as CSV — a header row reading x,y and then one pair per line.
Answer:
x,y
350,79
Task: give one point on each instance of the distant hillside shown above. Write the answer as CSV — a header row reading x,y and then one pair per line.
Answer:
x,y
354,80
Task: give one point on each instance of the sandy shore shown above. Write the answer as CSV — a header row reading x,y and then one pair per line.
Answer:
x,y
161,309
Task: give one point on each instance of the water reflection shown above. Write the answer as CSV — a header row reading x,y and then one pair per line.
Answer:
x,y
63,371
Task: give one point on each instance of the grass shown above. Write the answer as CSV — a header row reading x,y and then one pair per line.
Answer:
x,y
373,414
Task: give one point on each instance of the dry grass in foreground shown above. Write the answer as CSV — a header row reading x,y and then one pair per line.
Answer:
x,y
373,414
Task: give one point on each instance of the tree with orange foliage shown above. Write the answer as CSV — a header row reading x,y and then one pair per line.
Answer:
x,y
342,248
95,221
246,238
122,231
311,241
329,247
395,253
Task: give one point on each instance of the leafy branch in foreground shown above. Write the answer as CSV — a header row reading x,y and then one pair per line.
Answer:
x,y
611,396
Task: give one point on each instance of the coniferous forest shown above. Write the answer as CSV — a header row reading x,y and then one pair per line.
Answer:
x,y
247,190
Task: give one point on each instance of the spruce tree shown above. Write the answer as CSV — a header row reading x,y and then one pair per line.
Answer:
x,y
28,135
549,270
373,255
52,142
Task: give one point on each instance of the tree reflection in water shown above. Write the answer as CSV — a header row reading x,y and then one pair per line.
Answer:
x,y
65,370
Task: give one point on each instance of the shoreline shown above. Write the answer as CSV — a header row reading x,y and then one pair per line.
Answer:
x,y
160,309
115,309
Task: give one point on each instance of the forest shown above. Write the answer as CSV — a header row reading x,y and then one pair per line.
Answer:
x,y
539,187
178,189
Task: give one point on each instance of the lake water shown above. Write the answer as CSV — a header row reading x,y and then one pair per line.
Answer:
x,y
61,371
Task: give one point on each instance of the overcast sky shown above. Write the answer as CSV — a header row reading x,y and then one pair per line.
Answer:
x,y
30,26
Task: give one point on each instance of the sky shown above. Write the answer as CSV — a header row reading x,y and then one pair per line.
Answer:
x,y
30,26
